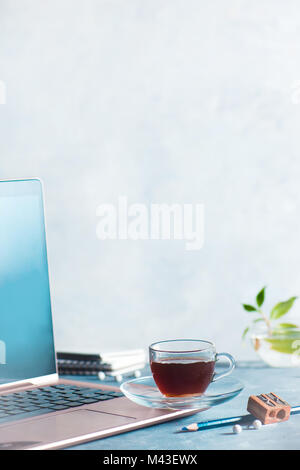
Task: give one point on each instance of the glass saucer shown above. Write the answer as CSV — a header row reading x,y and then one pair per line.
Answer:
x,y
144,391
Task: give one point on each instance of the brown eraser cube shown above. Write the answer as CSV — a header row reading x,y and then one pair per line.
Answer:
x,y
268,408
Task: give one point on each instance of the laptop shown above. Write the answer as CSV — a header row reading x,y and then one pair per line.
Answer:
x,y
38,410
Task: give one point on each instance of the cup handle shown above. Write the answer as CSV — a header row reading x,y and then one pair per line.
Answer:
x,y
230,369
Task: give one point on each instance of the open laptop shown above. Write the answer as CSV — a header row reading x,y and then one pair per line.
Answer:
x,y
37,409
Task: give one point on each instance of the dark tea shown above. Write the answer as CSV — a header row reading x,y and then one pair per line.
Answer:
x,y
182,376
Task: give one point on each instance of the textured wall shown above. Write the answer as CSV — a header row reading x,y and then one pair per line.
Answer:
x,y
160,101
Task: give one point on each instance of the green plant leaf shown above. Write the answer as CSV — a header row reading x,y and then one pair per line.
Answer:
x,y
281,345
282,308
260,297
284,344
249,308
286,325
245,332
257,320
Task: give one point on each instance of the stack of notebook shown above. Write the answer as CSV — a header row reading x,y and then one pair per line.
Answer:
x,y
104,365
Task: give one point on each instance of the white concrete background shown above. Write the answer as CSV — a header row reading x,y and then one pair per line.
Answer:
x,y
161,101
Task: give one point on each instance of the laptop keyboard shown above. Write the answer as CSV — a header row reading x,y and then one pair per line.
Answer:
x,y
28,403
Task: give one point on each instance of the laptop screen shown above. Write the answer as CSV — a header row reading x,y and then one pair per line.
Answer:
x,y
26,332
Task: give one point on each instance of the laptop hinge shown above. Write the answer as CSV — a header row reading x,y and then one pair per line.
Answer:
x,y
44,380
22,386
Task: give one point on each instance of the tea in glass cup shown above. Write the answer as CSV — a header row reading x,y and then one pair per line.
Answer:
x,y
183,368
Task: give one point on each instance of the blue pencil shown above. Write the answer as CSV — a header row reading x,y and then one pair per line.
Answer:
x,y
218,422
244,419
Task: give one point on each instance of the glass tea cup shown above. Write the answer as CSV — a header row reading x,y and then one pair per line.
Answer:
x,y
185,367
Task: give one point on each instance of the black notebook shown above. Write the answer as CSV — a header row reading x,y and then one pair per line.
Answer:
x,y
79,363
92,364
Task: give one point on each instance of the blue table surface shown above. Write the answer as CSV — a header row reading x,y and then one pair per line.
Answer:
x,y
257,378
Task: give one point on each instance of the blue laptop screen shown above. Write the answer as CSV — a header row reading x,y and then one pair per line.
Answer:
x,y
26,332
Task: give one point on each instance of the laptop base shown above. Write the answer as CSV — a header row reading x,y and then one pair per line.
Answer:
x,y
73,426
